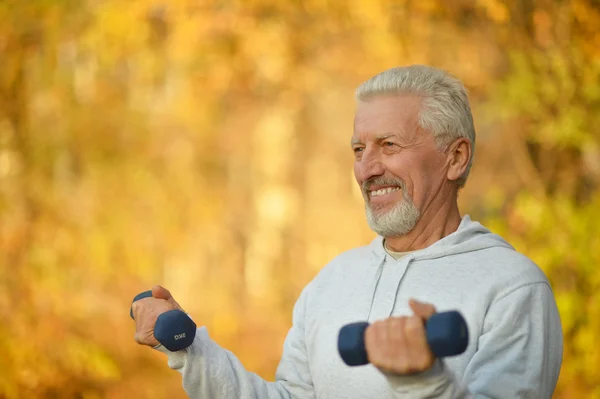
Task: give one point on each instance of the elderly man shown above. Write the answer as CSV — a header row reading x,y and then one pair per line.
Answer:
x,y
413,144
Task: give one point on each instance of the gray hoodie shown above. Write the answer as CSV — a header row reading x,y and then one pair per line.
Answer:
x,y
515,348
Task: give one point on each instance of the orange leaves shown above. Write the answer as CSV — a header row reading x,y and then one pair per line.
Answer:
x,y
204,145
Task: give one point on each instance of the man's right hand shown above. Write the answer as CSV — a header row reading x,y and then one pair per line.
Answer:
x,y
146,312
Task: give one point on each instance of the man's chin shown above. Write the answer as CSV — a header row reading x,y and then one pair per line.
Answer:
x,y
387,223
380,210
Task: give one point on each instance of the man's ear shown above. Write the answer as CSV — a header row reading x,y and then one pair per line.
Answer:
x,y
459,154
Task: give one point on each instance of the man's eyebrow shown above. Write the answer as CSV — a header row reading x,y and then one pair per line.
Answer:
x,y
378,139
384,136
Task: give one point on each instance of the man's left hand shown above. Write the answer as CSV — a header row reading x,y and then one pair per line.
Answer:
x,y
398,345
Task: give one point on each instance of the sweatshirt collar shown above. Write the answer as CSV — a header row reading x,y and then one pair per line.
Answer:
x,y
469,236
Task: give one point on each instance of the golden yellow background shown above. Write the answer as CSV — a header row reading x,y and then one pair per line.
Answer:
x,y
204,145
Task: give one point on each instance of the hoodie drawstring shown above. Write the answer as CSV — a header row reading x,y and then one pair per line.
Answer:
x,y
410,259
379,273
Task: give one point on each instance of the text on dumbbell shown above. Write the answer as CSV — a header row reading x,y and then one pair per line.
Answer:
x,y
179,336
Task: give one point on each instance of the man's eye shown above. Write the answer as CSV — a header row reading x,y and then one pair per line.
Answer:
x,y
388,144
357,150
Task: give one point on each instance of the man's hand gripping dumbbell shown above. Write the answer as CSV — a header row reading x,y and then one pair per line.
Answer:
x,y
160,320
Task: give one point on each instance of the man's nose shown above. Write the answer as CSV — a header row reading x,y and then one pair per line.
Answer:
x,y
369,166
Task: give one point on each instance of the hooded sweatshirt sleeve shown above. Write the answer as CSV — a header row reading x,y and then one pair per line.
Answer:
x,y
519,353
209,371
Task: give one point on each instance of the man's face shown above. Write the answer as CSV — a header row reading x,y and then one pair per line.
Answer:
x,y
397,165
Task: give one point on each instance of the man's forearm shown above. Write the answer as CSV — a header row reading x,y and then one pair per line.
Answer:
x,y
209,371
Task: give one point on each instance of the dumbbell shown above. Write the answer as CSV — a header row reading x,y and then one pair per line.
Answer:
x,y
447,335
174,329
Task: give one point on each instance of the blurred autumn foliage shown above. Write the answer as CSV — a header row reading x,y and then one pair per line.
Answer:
x,y
204,145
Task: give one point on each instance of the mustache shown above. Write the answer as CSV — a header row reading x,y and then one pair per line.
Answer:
x,y
382,181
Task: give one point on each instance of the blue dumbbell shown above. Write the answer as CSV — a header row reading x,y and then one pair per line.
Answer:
x,y
174,329
447,335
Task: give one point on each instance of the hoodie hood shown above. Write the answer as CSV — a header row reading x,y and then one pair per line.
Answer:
x,y
469,237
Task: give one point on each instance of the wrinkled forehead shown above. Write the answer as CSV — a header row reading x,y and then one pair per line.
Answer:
x,y
389,114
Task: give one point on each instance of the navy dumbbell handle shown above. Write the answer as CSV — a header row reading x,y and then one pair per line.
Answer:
x,y
174,329
447,335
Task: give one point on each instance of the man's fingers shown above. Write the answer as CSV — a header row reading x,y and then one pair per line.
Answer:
x,y
399,344
386,345
398,359
422,309
146,312
417,346
375,337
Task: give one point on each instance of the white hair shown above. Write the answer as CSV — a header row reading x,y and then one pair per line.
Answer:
x,y
445,110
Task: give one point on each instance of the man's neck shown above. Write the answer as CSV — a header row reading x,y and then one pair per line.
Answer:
x,y
431,227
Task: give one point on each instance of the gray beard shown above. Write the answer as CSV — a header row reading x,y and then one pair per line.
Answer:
x,y
398,221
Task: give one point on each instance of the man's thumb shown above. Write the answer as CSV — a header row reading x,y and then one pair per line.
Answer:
x,y
160,292
422,309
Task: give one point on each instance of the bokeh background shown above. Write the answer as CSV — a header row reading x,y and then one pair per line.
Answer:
x,y
204,145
